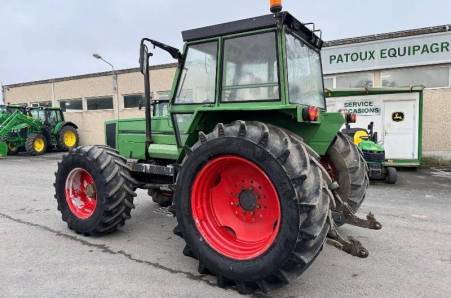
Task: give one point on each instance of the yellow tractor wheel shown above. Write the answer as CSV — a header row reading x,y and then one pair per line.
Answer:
x,y
12,149
36,144
68,138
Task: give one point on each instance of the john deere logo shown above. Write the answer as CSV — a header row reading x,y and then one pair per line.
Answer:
x,y
397,116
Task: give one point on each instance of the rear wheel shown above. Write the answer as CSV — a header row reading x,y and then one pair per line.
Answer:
x,y
36,144
252,205
391,175
345,164
68,138
94,190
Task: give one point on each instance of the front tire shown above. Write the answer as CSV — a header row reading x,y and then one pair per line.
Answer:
x,y
94,190
391,175
346,165
249,176
162,198
13,149
36,144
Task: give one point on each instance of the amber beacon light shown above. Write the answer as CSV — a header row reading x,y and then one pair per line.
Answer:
x,y
276,5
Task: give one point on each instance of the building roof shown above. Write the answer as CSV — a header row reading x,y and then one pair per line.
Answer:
x,y
390,35
89,75
252,24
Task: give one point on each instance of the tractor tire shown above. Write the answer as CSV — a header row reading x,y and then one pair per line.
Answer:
x,y
36,144
345,163
68,138
162,198
391,176
13,149
94,190
252,206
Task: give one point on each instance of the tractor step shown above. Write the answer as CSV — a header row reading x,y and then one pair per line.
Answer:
x,y
152,169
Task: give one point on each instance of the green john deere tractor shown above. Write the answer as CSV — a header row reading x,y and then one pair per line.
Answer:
x,y
7,110
373,153
242,157
35,130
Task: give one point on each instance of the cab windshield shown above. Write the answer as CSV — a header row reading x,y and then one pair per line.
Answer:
x,y
305,79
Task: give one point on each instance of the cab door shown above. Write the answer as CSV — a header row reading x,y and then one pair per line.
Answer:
x,y
195,85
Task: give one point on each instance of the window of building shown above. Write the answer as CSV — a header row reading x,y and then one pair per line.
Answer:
x,y
133,101
71,105
163,95
304,73
100,103
198,79
328,82
47,103
355,80
250,68
428,76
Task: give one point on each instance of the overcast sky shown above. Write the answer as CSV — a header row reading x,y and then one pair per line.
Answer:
x,y
42,39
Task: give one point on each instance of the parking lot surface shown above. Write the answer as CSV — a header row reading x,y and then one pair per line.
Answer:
x,y
41,257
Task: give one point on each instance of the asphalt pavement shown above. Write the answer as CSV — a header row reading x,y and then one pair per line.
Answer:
x,y
41,257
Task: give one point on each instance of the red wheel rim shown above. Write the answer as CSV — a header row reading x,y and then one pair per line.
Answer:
x,y
235,207
81,194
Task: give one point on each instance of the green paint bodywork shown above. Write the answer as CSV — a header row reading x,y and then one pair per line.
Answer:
x,y
11,130
367,145
180,128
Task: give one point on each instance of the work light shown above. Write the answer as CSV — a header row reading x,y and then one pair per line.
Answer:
x,y
276,5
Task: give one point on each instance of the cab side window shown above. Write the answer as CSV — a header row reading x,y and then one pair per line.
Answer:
x,y
53,117
198,78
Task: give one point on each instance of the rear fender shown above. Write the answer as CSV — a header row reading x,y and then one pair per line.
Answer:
x,y
319,135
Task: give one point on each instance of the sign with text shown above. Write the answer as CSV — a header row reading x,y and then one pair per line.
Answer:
x,y
361,107
399,52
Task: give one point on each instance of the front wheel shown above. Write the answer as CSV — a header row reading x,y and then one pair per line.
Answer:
x,y
94,190
391,175
36,144
252,205
13,149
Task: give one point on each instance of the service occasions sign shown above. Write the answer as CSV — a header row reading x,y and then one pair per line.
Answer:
x,y
361,107
399,52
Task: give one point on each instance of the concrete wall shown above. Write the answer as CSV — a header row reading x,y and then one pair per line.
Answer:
x,y
437,124
91,123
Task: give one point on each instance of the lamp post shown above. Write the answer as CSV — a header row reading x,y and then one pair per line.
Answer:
x,y
3,93
115,85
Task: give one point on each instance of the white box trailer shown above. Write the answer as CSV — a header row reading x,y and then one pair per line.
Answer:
x,y
396,114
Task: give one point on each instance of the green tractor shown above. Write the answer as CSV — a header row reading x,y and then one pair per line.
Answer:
x,y
7,110
373,153
241,157
35,130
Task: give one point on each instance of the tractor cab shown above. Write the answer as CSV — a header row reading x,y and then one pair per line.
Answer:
x,y
48,116
266,68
